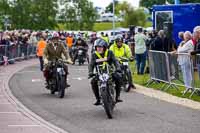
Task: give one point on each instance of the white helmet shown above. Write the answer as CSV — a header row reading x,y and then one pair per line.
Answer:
x,y
55,35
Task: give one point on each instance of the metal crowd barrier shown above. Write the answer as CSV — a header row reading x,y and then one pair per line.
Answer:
x,y
16,52
159,69
196,74
175,70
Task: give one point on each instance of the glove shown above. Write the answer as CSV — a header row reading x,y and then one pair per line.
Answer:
x,y
131,59
45,61
119,70
193,53
69,61
90,75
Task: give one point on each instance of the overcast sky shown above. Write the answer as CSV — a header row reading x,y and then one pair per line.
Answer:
x,y
104,3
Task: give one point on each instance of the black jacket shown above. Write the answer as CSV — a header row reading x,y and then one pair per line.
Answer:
x,y
163,44
111,60
197,48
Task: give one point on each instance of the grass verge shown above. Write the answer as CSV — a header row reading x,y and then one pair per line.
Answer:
x,y
143,79
105,26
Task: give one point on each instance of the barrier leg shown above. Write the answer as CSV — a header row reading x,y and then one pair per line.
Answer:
x,y
185,92
149,82
168,87
163,87
193,93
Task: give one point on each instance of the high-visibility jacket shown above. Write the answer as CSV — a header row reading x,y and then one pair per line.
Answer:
x,y
69,41
40,48
105,57
124,51
105,38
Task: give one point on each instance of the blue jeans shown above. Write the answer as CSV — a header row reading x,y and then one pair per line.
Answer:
x,y
141,62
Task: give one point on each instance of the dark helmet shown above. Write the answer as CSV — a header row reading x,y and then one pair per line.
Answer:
x,y
100,43
79,38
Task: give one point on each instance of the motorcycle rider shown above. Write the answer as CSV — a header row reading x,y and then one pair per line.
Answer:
x,y
55,50
101,51
80,43
122,50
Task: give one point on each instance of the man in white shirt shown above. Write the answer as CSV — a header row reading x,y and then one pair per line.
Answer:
x,y
140,51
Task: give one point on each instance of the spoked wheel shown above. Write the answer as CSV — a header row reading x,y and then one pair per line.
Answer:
x,y
61,85
127,88
53,92
52,88
80,61
108,103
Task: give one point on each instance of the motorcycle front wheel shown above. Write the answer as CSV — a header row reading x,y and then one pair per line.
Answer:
x,y
61,85
128,77
108,102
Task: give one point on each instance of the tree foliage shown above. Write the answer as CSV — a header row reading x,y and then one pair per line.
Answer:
x,y
150,3
29,14
134,17
109,8
79,15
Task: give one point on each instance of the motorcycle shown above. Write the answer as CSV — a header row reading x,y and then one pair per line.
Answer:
x,y
106,88
126,73
57,81
81,55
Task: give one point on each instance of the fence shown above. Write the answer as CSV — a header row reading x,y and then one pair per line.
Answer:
x,y
175,70
16,52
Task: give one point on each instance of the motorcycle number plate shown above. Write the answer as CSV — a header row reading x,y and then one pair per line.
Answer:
x,y
80,51
125,63
59,69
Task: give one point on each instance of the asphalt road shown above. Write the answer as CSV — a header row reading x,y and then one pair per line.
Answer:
x,y
77,114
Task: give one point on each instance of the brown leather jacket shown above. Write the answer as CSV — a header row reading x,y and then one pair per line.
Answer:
x,y
50,53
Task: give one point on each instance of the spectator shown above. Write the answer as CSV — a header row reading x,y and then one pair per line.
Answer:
x,y
185,60
33,42
181,35
159,42
40,49
140,51
197,46
197,38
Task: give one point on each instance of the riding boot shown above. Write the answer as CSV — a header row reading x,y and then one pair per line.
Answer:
x,y
88,60
131,86
96,92
118,90
67,85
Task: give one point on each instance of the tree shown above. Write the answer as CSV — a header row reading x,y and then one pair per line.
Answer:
x,y
109,8
80,15
4,10
30,14
44,13
134,17
20,14
124,6
150,3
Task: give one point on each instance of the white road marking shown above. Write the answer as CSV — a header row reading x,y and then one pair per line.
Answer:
x,y
79,78
36,80
80,69
26,72
4,103
9,112
24,125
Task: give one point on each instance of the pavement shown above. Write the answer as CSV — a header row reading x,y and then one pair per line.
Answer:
x,y
14,116
76,114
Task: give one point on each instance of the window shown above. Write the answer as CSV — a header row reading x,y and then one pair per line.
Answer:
x,y
161,17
